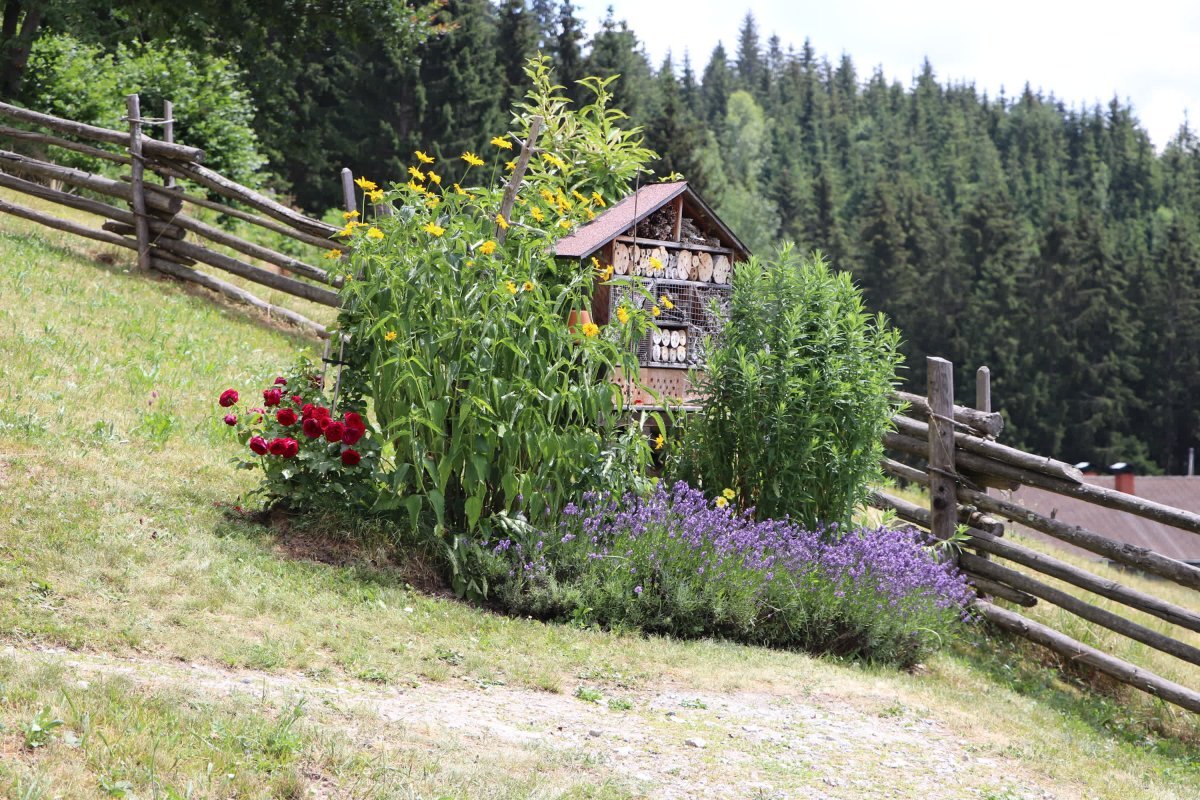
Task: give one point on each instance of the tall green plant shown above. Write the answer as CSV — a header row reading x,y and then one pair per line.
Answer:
x,y
797,394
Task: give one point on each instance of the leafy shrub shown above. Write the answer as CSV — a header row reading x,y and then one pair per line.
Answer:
x,y
673,562
797,393
83,82
311,455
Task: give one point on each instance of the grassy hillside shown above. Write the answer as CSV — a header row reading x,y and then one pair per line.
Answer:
x,y
126,573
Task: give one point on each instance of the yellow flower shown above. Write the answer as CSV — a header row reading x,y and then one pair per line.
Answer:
x,y
527,286
591,329
470,263
502,143
512,287
547,195
433,201
349,214
729,494
472,159
722,502
488,247
459,190
424,158
346,231
554,160
376,195
599,200
332,254
590,214
416,173
433,229
374,233
416,187
501,221
390,336
606,273
665,302
511,165
536,213
623,314
366,185
433,176
578,196
655,264
564,224
656,311
659,441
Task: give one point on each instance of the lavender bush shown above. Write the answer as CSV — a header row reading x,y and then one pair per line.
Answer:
x,y
676,563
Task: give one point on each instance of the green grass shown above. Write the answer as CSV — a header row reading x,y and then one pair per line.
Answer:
x,y
118,535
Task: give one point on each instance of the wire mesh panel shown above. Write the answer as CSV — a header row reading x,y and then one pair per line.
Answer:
x,y
689,313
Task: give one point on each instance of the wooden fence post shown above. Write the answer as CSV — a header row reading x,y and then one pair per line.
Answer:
x,y
943,494
348,190
983,402
169,133
136,178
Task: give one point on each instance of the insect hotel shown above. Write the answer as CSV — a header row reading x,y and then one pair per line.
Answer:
x,y
666,237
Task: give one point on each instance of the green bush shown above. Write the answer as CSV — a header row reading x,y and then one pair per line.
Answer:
x,y
83,82
797,393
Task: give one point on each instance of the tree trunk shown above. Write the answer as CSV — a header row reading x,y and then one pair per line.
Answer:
x,y
17,34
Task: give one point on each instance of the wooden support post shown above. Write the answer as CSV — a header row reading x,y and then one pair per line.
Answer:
x,y
348,190
983,390
169,133
514,182
350,205
136,178
943,500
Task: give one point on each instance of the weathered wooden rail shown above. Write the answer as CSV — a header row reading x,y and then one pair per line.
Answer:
x,y
144,211
961,459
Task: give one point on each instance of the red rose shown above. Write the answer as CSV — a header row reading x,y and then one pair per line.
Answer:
x,y
334,431
259,445
307,410
228,398
350,457
281,381
285,417
297,399
290,448
272,396
277,447
231,419
353,420
352,435
311,428
321,412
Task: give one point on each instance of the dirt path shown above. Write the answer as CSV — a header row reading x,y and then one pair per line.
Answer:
x,y
670,744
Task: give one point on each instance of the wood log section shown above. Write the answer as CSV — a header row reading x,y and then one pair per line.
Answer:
x,y
722,269
66,144
237,213
704,269
691,263
235,191
621,258
1000,452
988,424
152,147
16,164
1080,608
1063,571
1071,649
238,294
994,589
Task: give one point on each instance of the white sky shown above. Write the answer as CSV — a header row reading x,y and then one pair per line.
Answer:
x,y
1146,53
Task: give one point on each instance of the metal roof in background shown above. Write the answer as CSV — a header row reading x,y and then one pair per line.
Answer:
x,y
1172,490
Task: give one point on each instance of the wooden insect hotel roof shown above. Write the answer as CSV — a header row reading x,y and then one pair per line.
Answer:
x,y
665,237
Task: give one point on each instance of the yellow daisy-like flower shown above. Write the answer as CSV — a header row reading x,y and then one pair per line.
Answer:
x,y
366,185
433,229
510,165
433,201
434,177
606,273
554,160
346,231
729,494
349,214
599,200
536,213
591,330
459,190
547,195
424,158
488,247
722,502
332,254
374,233
502,143
470,263
502,222
656,311
655,264
659,441
578,196
564,224
591,215
416,187
512,287
390,336
623,314
416,173
665,302
472,159
375,196
527,286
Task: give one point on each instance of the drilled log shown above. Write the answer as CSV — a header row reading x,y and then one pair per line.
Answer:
x,y
15,163
988,424
1069,648
152,147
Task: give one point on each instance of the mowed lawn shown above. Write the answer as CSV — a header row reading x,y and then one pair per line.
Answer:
x,y
119,535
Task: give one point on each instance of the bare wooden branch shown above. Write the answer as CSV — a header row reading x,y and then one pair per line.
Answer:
x,y
1114,667
238,294
66,144
84,131
250,272
514,182
1080,608
15,163
987,424
136,172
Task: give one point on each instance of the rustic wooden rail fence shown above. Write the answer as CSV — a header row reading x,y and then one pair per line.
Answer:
x,y
961,461
153,222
